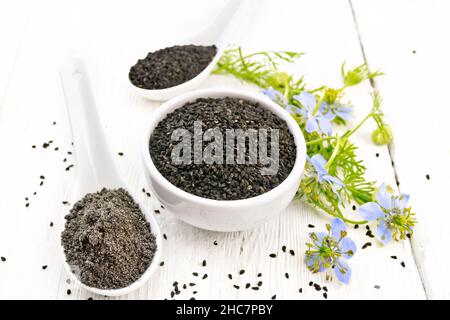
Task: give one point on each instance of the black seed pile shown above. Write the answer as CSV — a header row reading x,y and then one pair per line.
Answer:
x,y
171,66
221,181
107,241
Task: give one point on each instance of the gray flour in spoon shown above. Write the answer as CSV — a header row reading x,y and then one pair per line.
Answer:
x,y
107,241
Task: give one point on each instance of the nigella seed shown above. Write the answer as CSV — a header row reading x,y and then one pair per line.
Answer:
x,y
311,283
27,204
242,272
300,290
68,167
165,236
191,284
51,224
292,252
44,267
283,248
172,294
157,212
120,153
204,263
149,195
205,276
260,283
69,292
195,274
377,287
42,177
247,285
274,297
353,207
230,277
310,226
325,295
427,176
377,154
272,255
237,287
33,146
215,243
394,257
259,275
286,275
403,264
325,288
42,183
317,287
367,244
255,288
161,263
356,226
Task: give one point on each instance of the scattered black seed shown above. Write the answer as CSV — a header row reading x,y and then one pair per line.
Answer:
x,y
45,145
255,288
42,183
370,234
3,259
311,283
300,290
69,152
90,298
394,257
237,287
205,276
310,226
194,292
65,202
54,122
215,243
403,264
408,235
272,255
175,284
42,177
65,160
260,283
56,149
26,199
33,146
27,205
34,193
120,153
367,244
165,236
283,248
317,287
172,294
162,207
221,181
161,263
230,276
325,288
356,226
242,271
143,190
51,224
325,295
204,263
397,182
377,154
292,252
367,227
377,287
192,298
69,292
191,284
248,285
274,297
259,275
427,176
68,167
44,267
414,51
195,274
171,66
286,275
149,195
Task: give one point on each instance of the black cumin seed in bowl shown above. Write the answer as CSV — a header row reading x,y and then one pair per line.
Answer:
x,y
221,181
171,66
107,241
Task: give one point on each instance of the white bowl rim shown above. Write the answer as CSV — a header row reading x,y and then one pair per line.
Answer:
x,y
293,177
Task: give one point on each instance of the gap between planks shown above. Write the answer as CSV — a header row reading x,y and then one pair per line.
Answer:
x,y
389,147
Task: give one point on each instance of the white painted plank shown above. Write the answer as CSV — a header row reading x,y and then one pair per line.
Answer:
x,y
409,40
328,36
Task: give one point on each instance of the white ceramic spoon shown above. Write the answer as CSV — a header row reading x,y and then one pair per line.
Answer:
x,y
220,33
95,169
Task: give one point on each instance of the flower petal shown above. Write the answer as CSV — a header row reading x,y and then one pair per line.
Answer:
x,y
307,100
383,232
344,112
335,180
325,125
401,202
347,245
319,162
337,225
342,271
311,125
371,211
384,198
320,236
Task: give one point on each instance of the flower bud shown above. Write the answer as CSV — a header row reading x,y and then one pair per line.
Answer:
x,y
382,135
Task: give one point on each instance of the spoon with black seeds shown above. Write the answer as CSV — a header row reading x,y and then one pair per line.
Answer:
x,y
131,239
176,69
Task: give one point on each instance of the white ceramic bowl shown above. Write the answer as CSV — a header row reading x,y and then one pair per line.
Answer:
x,y
224,215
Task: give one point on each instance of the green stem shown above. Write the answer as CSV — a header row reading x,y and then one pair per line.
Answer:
x,y
340,216
319,103
319,140
334,154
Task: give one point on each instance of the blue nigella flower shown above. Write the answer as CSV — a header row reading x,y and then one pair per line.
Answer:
x,y
318,162
394,219
340,110
330,250
276,96
318,122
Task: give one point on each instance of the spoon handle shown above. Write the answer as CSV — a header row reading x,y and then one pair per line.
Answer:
x,y
94,166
